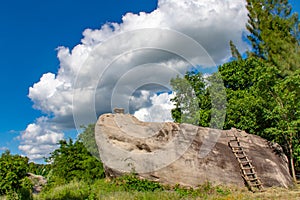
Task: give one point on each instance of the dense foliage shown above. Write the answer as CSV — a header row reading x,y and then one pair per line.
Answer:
x,y
130,182
192,101
39,169
73,161
70,161
259,101
274,34
13,180
262,90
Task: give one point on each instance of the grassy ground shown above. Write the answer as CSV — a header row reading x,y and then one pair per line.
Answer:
x,y
104,190
279,193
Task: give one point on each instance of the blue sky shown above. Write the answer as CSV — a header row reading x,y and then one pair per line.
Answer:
x,y
30,32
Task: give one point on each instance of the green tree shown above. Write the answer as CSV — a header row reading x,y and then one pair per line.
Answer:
x,y
234,51
73,161
274,36
259,101
283,113
87,137
198,100
245,105
192,102
39,169
262,91
13,180
274,33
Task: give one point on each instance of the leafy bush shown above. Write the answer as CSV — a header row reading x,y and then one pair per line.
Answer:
x,y
73,161
132,183
100,189
13,180
74,190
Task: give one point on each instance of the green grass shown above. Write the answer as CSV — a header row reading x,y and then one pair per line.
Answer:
x,y
128,187
131,188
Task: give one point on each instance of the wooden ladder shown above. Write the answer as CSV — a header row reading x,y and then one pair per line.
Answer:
x,y
248,171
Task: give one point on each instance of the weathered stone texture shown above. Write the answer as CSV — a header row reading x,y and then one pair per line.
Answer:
x,y
171,153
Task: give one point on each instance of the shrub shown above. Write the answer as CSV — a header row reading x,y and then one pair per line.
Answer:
x,y
132,183
73,161
74,190
13,180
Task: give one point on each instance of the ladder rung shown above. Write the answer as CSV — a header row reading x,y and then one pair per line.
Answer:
x,y
248,178
240,151
243,156
246,161
251,177
252,180
245,165
245,168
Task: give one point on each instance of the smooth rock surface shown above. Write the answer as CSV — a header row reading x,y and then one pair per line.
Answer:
x,y
184,154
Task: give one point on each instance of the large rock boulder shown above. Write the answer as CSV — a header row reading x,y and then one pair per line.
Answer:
x,y
184,154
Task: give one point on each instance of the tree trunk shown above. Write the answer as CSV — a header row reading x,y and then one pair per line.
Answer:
x,y
292,161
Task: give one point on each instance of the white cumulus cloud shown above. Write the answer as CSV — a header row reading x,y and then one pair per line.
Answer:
x,y
159,110
141,53
40,138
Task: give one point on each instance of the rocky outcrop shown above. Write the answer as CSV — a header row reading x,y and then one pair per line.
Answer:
x,y
184,154
38,182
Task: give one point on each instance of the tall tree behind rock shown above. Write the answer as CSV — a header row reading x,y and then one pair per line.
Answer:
x,y
192,101
274,33
274,36
234,51
87,137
